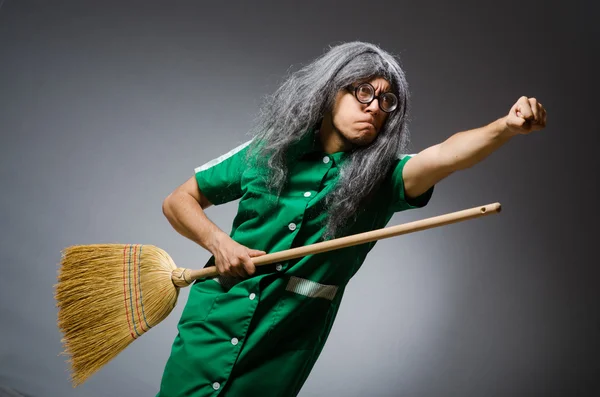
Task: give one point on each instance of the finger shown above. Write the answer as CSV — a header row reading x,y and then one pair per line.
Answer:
x,y
219,266
254,253
223,270
237,269
542,112
228,269
516,120
533,105
249,267
524,108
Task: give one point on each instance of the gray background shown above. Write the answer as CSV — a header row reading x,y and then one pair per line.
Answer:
x,y
106,107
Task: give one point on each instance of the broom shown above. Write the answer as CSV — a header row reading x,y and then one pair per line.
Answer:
x,y
108,295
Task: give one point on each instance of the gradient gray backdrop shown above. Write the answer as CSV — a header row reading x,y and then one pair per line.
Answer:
x,y
107,106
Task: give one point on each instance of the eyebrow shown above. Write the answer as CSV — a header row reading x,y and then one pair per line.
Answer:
x,y
357,83
383,91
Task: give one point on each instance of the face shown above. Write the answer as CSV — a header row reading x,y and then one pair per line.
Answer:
x,y
357,123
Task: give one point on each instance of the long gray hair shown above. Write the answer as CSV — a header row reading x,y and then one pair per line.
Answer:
x,y
301,102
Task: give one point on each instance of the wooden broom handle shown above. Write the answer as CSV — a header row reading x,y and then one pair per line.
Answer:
x,y
355,239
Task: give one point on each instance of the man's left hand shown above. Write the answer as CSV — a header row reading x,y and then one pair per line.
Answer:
x,y
525,116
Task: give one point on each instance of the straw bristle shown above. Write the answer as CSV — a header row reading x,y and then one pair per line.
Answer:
x,y
108,295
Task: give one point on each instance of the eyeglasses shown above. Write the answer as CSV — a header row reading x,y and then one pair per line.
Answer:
x,y
365,93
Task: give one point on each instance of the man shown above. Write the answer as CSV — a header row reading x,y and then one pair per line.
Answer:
x,y
325,161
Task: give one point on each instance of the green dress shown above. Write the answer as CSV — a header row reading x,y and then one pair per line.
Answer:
x,y
261,336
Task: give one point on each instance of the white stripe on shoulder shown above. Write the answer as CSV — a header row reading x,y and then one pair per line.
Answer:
x,y
222,158
404,155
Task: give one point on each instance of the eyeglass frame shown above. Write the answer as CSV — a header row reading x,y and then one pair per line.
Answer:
x,y
354,90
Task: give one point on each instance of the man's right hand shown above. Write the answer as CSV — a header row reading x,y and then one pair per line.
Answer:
x,y
232,258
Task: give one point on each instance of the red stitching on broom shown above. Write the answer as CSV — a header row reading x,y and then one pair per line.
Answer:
x,y
135,289
125,291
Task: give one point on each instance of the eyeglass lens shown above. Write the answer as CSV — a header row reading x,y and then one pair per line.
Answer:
x,y
365,93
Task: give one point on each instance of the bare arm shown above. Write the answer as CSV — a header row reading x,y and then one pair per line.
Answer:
x,y
467,148
462,150
184,208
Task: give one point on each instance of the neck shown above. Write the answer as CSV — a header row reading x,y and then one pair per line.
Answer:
x,y
331,139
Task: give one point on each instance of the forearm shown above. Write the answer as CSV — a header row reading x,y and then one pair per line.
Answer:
x,y
467,148
187,217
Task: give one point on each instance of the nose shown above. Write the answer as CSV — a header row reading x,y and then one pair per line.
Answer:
x,y
373,107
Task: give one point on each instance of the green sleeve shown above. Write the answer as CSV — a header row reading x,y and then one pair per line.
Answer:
x,y
219,180
399,200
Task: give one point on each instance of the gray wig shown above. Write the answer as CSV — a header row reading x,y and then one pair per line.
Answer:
x,y
298,107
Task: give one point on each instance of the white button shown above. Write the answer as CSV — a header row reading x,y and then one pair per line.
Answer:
x,y
234,341
252,296
292,226
216,385
326,159
307,194
278,267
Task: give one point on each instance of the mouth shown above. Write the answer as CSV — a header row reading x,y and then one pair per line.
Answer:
x,y
367,131
370,125
367,122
